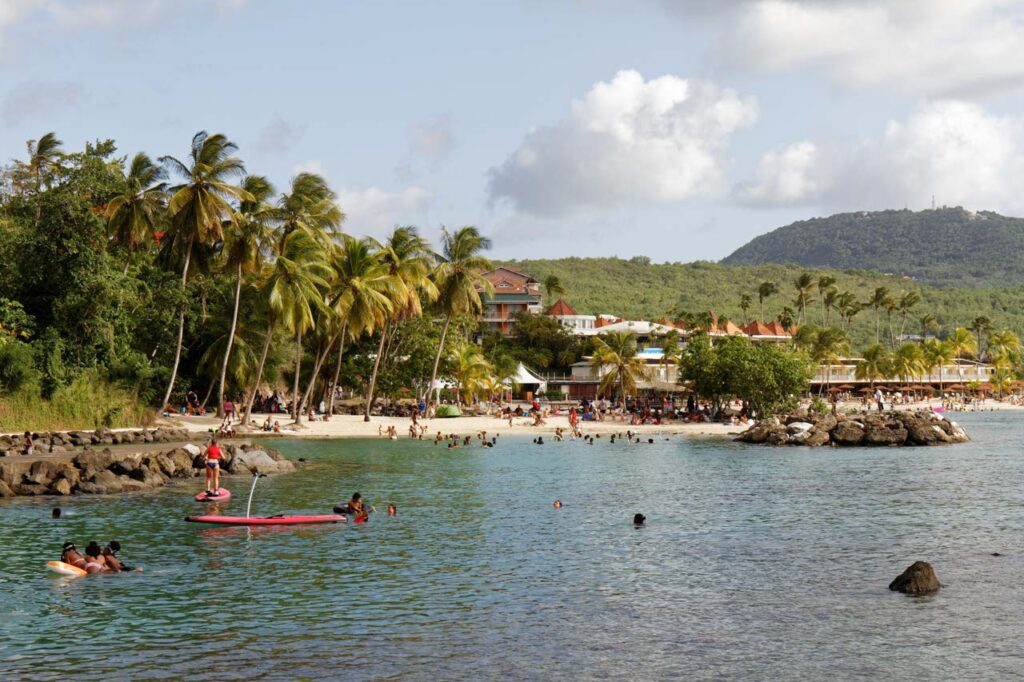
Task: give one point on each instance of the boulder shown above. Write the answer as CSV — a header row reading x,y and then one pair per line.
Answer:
x,y
259,462
816,438
30,489
918,579
885,436
5,490
192,449
759,432
61,487
103,483
824,422
848,433
44,471
799,427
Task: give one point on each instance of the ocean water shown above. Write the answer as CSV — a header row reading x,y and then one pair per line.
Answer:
x,y
755,563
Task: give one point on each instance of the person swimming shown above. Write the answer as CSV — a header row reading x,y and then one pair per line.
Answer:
x,y
70,555
94,560
353,506
392,510
638,520
557,504
55,514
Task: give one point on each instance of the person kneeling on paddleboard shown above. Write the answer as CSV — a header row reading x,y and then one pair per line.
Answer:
x,y
213,454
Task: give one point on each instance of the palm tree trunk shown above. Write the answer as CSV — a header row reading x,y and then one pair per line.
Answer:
x,y
437,361
373,377
337,369
231,341
761,301
296,407
206,398
876,325
181,329
317,366
259,373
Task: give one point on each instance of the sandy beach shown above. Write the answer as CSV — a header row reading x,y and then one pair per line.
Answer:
x,y
353,426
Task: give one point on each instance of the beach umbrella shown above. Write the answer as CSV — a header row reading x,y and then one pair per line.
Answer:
x,y
845,387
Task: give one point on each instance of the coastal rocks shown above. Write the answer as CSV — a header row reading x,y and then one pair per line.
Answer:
x,y
107,472
874,428
918,579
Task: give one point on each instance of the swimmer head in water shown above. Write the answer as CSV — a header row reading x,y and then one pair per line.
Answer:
x,y
638,519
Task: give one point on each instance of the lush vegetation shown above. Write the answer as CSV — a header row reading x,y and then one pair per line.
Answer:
x,y
946,246
126,283
770,377
639,289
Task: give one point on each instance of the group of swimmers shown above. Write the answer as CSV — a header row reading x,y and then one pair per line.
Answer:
x,y
455,441
638,518
95,559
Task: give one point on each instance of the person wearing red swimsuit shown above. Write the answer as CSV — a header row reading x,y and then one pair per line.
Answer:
x,y
213,455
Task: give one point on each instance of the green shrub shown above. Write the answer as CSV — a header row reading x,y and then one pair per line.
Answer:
x,y
88,402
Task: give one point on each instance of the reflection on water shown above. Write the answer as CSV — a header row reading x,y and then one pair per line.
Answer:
x,y
755,563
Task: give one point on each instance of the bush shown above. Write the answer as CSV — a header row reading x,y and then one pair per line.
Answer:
x,y
88,402
17,367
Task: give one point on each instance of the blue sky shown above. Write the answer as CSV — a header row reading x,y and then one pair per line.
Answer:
x,y
676,129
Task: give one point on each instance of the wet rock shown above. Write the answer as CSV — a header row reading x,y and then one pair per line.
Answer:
x,y
29,489
103,483
918,579
799,427
817,438
824,422
5,490
260,462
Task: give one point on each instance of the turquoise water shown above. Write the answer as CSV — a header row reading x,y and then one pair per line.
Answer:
x,y
755,563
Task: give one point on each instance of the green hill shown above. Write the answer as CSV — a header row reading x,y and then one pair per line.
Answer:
x,y
639,289
946,247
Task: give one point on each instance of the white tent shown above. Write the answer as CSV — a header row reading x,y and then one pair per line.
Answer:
x,y
525,376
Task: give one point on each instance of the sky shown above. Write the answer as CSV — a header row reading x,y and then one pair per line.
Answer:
x,y
674,129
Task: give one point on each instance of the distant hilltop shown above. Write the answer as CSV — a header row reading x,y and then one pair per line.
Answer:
x,y
945,246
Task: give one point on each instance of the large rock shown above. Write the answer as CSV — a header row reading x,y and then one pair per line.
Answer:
x,y
259,462
918,579
44,471
886,436
61,487
5,490
848,433
816,438
103,483
192,449
824,422
799,427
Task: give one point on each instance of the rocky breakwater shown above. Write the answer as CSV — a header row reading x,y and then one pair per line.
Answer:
x,y
105,471
868,428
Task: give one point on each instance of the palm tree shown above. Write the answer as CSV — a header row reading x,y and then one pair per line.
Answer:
x,y
458,280
847,306
311,206
244,242
962,343
787,318
470,367
877,302
132,216
361,294
765,290
928,323
908,361
980,325
937,354
553,287
198,209
804,283
407,257
745,301
616,352
295,291
1003,344
906,303
43,156
826,283
829,347
890,306
670,350
829,300
876,363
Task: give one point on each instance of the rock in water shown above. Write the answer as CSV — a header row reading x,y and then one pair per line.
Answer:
x,y
917,580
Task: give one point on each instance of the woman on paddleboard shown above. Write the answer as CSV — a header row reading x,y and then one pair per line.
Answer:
x,y
213,455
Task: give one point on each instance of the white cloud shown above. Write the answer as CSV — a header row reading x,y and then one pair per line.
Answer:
x,y
951,149
626,140
38,99
432,139
784,177
374,211
929,47
309,166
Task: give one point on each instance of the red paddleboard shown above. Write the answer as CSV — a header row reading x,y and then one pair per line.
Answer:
x,y
220,494
280,520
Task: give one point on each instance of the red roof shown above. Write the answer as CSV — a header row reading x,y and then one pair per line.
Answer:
x,y
604,321
561,309
757,328
508,281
